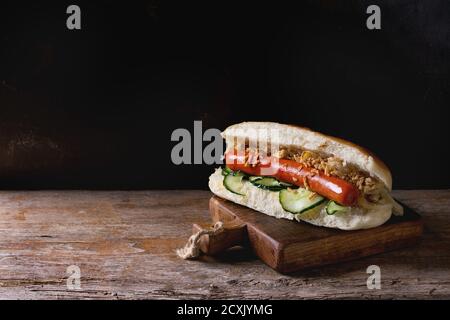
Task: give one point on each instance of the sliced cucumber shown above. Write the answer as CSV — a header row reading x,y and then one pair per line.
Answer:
x,y
288,185
333,207
266,182
226,171
269,183
234,183
299,200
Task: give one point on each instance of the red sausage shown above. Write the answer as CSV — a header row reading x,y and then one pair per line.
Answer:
x,y
290,171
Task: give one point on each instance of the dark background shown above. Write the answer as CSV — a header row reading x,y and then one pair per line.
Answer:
x,y
95,108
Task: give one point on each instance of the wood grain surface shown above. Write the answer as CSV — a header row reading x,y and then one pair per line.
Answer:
x,y
288,247
124,244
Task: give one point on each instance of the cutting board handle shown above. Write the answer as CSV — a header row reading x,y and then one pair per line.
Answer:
x,y
232,233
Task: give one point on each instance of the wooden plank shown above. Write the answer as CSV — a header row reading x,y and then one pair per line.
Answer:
x,y
124,243
288,246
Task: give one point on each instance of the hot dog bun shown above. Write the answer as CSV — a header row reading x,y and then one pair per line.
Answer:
x,y
267,202
299,137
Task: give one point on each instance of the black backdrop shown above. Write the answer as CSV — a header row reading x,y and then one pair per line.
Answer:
x,y
95,108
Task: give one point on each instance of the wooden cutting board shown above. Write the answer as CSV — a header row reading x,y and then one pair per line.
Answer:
x,y
288,246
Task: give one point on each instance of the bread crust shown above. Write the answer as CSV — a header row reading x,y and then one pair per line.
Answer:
x,y
267,202
305,138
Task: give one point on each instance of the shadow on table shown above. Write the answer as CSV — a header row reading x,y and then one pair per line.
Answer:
x,y
233,255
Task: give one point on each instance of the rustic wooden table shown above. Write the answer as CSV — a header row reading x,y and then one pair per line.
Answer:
x,y
124,244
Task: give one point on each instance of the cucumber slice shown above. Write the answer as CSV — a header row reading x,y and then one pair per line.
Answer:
x,y
333,207
226,171
288,185
234,183
266,182
269,183
310,214
299,200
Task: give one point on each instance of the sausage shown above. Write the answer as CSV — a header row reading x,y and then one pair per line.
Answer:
x,y
290,171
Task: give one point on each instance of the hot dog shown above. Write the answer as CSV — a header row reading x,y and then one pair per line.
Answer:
x,y
290,171
341,185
